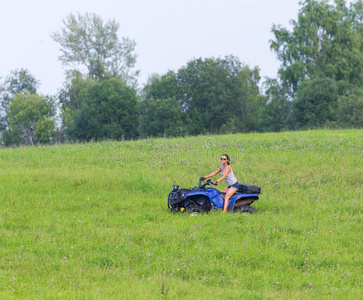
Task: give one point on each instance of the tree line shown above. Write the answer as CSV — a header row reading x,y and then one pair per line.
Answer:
x,y
319,84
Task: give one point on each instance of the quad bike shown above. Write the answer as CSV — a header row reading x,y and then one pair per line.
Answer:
x,y
202,199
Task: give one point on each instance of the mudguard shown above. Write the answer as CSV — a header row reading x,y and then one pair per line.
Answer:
x,y
191,195
233,200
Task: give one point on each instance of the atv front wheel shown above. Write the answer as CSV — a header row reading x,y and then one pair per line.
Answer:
x,y
245,209
194,210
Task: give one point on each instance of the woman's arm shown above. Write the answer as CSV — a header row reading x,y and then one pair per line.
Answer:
x,y
214,173
227,170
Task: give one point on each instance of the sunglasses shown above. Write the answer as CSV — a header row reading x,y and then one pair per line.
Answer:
x,y
223,158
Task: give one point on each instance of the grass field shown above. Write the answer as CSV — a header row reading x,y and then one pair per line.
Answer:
x,y
90,221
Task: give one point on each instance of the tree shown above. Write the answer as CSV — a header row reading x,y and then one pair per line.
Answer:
x,y
93,47
218,93
160,112
69,95
350,109
45,130
2,111
30,120
326,41
316,103
249,102
102,110
18,81
276,113
207,95
161,87
161,117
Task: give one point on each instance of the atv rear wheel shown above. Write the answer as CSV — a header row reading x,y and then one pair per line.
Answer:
x,y
245,209
194,210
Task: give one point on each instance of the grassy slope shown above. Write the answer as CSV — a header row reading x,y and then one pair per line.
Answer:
x,y
90,220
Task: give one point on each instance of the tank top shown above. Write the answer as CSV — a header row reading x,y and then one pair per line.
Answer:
x,y
230,178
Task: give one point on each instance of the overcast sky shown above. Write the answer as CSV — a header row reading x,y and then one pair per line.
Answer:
x,y
168,33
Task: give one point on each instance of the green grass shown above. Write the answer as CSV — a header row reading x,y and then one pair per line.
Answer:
x,y
90,221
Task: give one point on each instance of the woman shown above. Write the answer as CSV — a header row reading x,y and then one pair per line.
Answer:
x,y
228,176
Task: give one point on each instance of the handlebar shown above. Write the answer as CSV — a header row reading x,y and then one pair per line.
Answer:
x,y
209,182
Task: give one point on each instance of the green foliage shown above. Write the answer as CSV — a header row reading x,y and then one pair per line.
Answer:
x,y
350,109
276,115
97,103
44,130
160,113
209,88
326,41
161,117
100,110
213,95
90,220
322,60
250,102
89,43
315,103
18,81
205,94
30,120
69,95
161,87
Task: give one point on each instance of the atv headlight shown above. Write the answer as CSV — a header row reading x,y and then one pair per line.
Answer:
x,y
175,187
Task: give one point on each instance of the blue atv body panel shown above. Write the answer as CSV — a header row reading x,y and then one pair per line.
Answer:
x,y
214,197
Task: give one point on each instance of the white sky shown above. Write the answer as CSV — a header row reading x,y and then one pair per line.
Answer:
x,y
168,33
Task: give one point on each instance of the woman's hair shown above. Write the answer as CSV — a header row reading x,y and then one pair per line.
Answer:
x,y
226,155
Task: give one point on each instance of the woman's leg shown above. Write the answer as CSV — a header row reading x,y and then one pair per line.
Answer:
x,y
228,195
